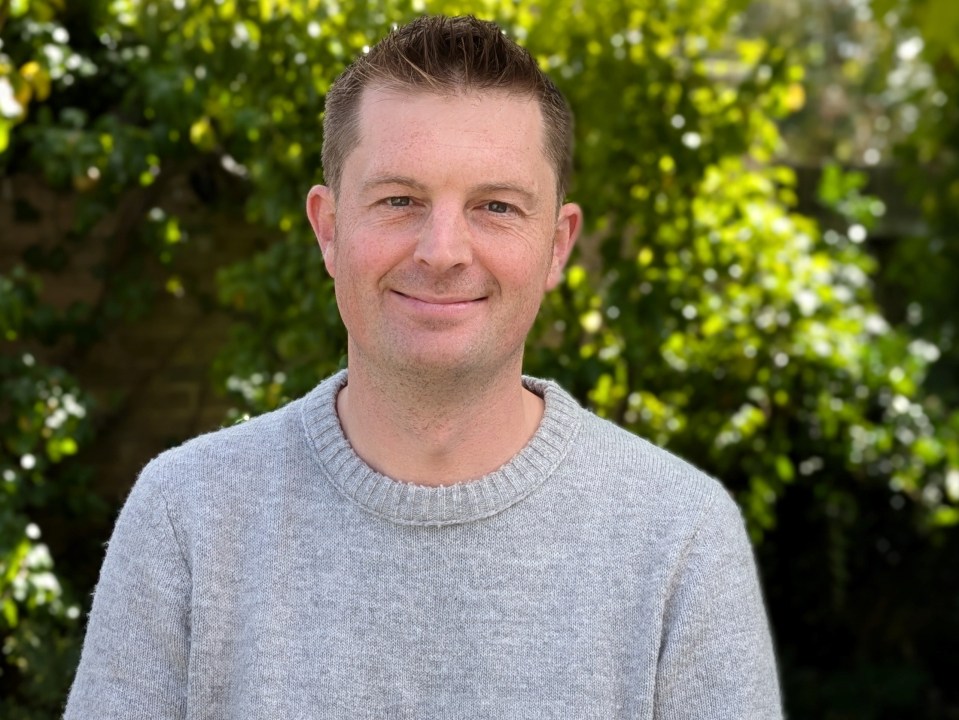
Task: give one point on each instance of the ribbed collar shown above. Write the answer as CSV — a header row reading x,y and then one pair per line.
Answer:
x,y
410,504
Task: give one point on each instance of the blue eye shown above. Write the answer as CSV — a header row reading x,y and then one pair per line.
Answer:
x,y
497,207
398,201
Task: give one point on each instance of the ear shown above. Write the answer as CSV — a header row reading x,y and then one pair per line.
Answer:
x,y
567,231
321,210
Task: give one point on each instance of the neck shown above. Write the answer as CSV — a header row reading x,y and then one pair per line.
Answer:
x,y
437,431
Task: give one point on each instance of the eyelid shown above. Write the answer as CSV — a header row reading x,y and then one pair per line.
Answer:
x,y
510,207
388,200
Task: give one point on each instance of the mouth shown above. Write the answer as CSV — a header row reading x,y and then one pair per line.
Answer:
x,y
441,299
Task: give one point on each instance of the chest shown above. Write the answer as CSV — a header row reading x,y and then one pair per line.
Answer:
x,y
417,624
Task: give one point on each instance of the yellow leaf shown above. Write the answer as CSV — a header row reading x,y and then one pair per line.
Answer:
x,y
38,78
795,97
713,325
575,276
172,233
201,134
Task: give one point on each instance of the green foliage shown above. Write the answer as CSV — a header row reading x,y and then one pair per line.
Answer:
x,y
920,267
702,310
43,422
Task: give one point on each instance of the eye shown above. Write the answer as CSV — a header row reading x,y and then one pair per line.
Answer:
x,y
500,208
398,201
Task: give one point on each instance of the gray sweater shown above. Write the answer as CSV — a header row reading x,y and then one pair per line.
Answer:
x,y
265,571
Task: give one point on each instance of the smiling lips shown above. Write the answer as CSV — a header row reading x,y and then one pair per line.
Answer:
x,y
443,308
443,300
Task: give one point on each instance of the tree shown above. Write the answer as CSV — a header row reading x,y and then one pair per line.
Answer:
x,y
702,311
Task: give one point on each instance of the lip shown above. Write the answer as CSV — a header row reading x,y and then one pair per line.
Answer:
x,y
451,308
445,300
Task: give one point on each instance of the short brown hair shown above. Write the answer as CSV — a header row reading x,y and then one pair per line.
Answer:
x,y
438,54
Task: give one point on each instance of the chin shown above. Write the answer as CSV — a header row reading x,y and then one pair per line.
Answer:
x,y
447,366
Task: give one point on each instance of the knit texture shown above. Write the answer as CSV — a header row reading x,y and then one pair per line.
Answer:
x,y
265,571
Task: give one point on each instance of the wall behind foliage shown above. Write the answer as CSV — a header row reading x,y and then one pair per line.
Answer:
x,y
708,315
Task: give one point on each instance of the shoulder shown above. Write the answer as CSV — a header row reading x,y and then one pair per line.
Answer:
x,y
631,479
241,457
642,472
635,458
254,441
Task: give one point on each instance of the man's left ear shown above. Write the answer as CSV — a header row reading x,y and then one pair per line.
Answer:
x,y
567,231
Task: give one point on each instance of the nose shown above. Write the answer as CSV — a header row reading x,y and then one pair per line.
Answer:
x,y
445,240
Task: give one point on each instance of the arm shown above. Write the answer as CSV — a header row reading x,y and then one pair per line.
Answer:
x,y
134,660
716,661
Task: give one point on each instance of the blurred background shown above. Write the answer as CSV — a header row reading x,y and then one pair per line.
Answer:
x,y
768,286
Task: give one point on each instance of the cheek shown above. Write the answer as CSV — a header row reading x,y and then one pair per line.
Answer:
x,y
344,300
374,242
355,251
529,264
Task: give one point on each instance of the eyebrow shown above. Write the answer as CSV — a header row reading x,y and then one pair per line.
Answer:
x,y
494,188
378,180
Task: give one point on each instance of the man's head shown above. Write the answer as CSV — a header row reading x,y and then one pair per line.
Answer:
x,y
442,221
445,56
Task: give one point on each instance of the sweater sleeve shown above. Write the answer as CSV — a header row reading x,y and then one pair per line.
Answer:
x,y
135,655
716,660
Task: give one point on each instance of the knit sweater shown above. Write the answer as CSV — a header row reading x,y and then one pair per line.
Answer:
x,y
265,571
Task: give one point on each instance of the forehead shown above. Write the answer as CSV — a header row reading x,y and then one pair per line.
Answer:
x,y
493,131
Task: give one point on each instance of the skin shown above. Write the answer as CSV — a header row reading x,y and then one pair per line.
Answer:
x,y
442,240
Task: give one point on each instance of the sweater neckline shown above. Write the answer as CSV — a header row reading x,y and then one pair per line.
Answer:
x,y
410,504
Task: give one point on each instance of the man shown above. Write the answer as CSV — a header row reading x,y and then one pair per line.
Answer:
x,y
428,534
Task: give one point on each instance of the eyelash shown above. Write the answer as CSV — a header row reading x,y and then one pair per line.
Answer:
x,y
407,202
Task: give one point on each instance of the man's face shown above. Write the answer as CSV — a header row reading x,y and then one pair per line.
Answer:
x,y
445,232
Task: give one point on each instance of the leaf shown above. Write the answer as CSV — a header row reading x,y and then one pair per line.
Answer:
x,y
10,613
785,469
